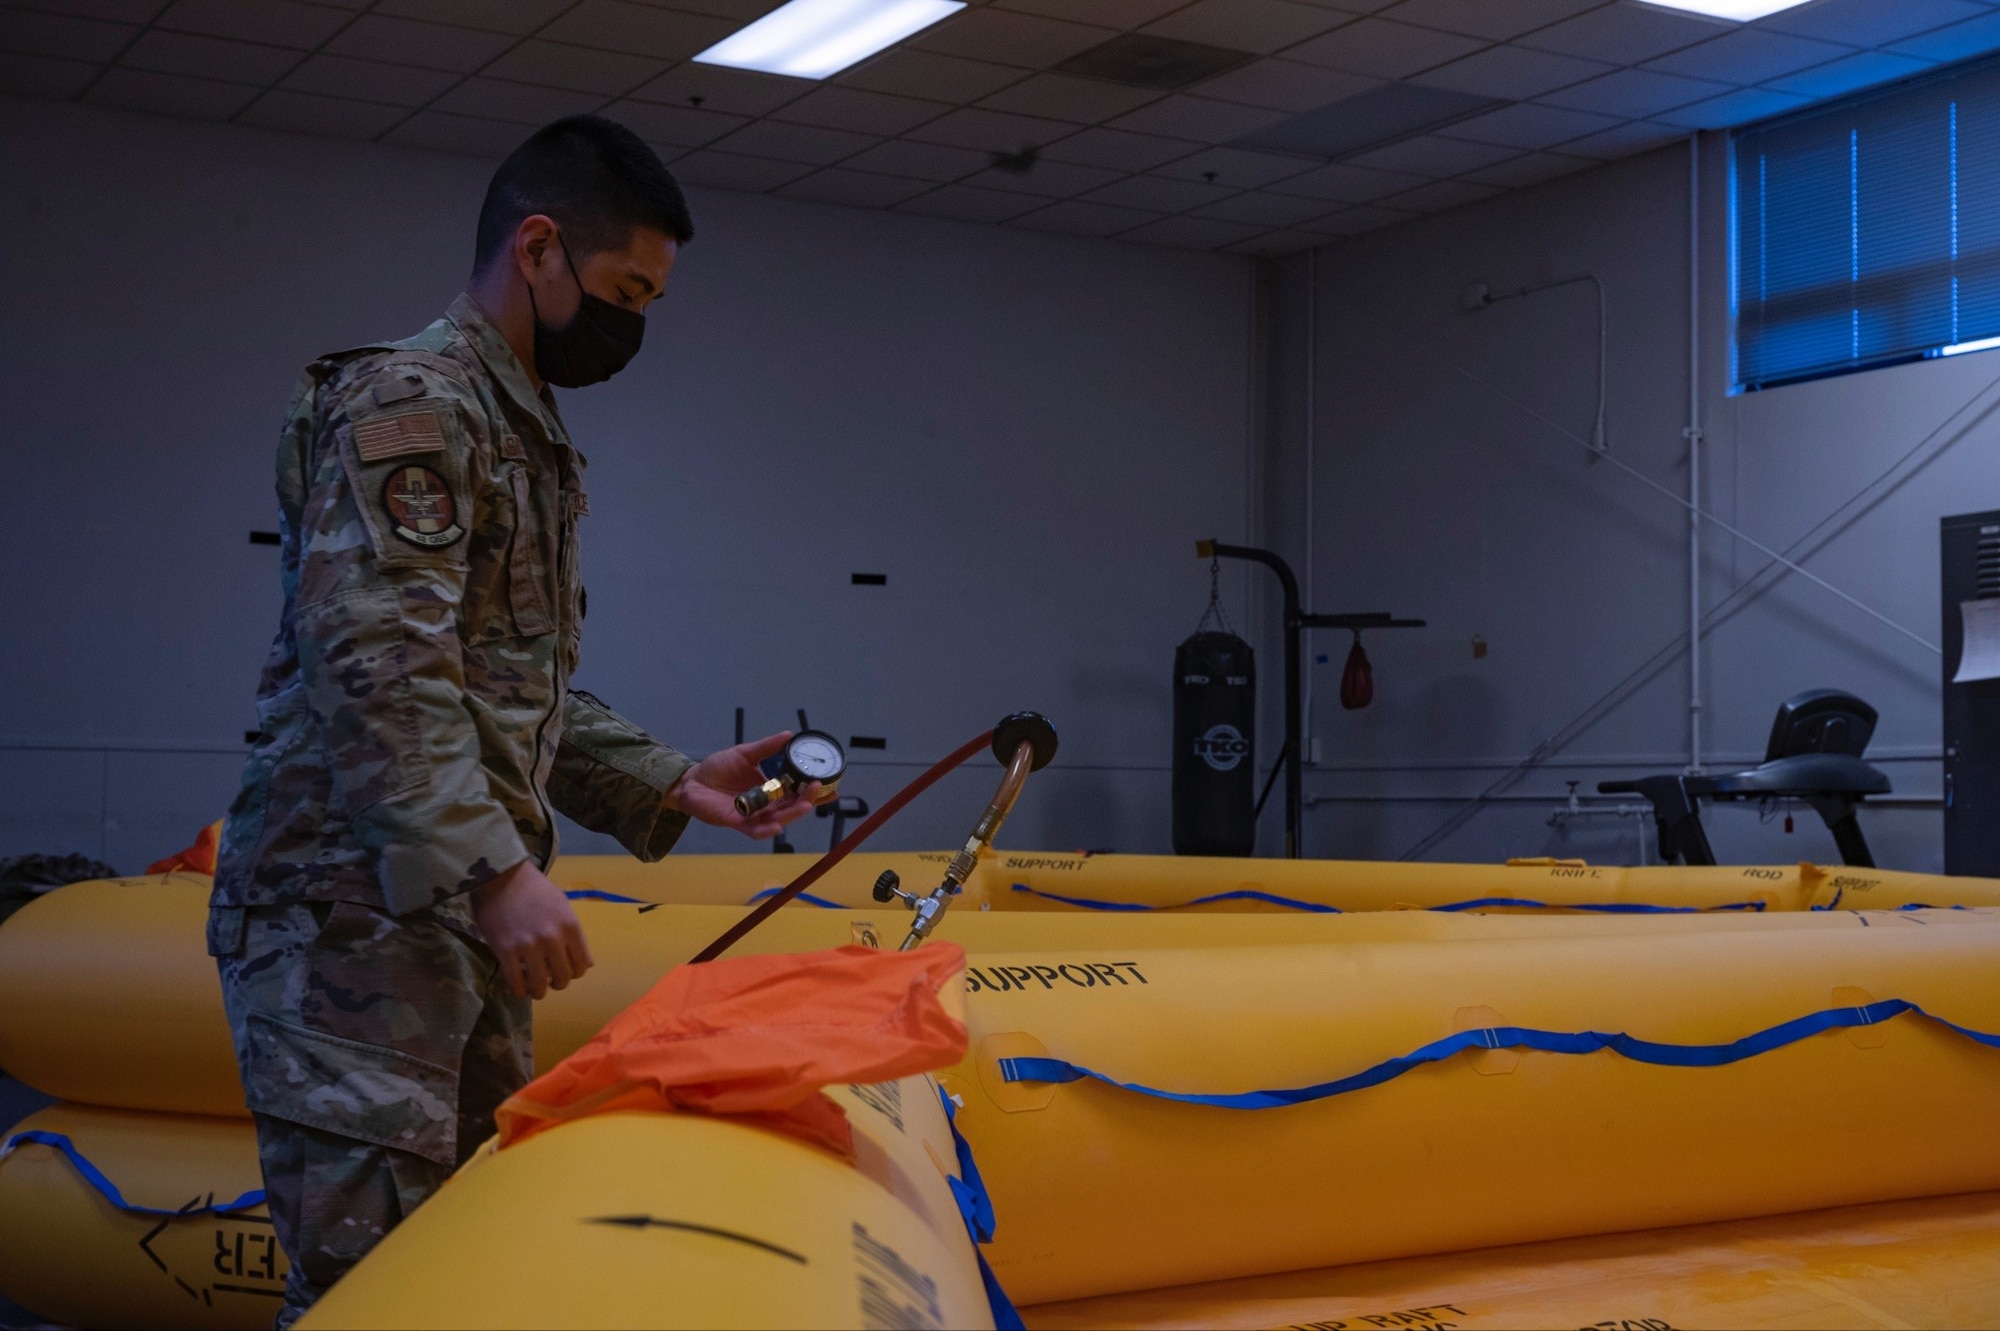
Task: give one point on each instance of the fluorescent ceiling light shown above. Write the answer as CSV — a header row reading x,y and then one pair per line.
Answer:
x,y
811,39
1960,348
1741,11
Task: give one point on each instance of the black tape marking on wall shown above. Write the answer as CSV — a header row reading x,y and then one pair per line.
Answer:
x,y
871,579
867,742
265,538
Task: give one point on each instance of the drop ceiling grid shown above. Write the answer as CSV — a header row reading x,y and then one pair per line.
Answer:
x,y
923,127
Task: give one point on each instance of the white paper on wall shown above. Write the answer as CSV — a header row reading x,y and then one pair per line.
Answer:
x,y
1980,658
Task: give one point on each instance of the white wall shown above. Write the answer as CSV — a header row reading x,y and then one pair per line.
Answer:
x,y
1023,432
1436,498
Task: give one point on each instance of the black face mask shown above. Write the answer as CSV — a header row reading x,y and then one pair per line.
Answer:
x,y
597,343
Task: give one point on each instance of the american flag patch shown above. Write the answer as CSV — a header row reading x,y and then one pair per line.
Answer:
x,y
393,436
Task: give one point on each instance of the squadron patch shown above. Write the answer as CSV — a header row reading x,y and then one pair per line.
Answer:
x,y
421,507
393,436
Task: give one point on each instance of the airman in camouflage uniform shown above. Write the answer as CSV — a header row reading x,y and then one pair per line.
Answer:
x,y
380,917
413,712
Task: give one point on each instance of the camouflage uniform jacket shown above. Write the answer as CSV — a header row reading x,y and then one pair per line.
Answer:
x,y
416,722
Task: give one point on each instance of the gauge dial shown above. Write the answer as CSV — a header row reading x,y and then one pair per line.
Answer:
x,y
816,756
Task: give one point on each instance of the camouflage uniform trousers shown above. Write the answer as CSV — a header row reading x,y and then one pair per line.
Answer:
x,y
374,1051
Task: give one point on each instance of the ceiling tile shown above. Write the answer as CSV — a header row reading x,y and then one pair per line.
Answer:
x,y
1347,184
1734,108
1958,42
1159,194
1512,71
1749,55
1110,13
1433,155
1192,233
853,189
943,78
1382,49
1025,40
521,103
860,111
1635,137
968,203
719,170
1239,168
468,136
1061,97
614,25
109,11
367,80
1119,150
992,130
1636,92
1443,194
1053,180
795,143
577,68
1483,18
44,76
1528,125
207,57
1354,221
406,42
1185,117
1626,34
1278,242
1857,71
1266,209
1871,22
61,35
1285,85
680,126
1074,217
273,22
169,94
331,117
921,161
1262,26
715,88
519,17
1530,169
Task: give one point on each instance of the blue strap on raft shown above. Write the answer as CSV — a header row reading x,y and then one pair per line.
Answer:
x,y
1515,1037
95,1177
1480,903
976,1206
592,894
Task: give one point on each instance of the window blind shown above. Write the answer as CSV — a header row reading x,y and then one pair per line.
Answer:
x,y
1867,231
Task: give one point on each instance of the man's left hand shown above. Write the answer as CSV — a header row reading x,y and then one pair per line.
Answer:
x,y
708,790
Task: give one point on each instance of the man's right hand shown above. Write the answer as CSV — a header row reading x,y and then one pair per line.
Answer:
x,y
528,923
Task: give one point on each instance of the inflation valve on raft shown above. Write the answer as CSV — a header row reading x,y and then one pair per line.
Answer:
x,y
1025,742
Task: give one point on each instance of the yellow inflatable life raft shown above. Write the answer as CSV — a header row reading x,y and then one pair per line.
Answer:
x,y
108,996
69,1254
680,1220
1206,1114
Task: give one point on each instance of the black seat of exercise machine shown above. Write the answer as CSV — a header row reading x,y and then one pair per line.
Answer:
x,y
1814,755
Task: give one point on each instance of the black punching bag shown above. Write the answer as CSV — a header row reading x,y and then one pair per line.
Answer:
x,y
1215,711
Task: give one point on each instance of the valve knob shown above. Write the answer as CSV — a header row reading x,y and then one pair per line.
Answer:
x,y
886,885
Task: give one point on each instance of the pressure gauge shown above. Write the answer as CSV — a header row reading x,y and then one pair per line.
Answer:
x,y
810,755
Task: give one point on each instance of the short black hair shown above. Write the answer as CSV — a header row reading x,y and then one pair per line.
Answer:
x,y
595,177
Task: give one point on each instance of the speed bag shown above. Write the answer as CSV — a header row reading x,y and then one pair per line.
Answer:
x,y
1215,711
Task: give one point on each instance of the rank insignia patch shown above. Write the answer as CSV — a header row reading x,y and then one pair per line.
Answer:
x,y
393,436
421,507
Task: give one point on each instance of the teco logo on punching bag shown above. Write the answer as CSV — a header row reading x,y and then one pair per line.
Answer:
x,y
1222,747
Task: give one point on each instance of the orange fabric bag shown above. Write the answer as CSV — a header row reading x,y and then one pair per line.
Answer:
x,y
198,858
757,1037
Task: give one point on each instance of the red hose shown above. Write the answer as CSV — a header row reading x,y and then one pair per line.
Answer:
x,y
840,852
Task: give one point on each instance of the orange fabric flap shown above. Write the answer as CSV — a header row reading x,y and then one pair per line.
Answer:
x,y
758,1037
198,858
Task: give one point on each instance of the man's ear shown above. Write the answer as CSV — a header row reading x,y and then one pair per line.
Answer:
x,y
533,240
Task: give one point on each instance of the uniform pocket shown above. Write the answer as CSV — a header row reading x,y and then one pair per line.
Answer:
x,y
354,655
529,576
365,1092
